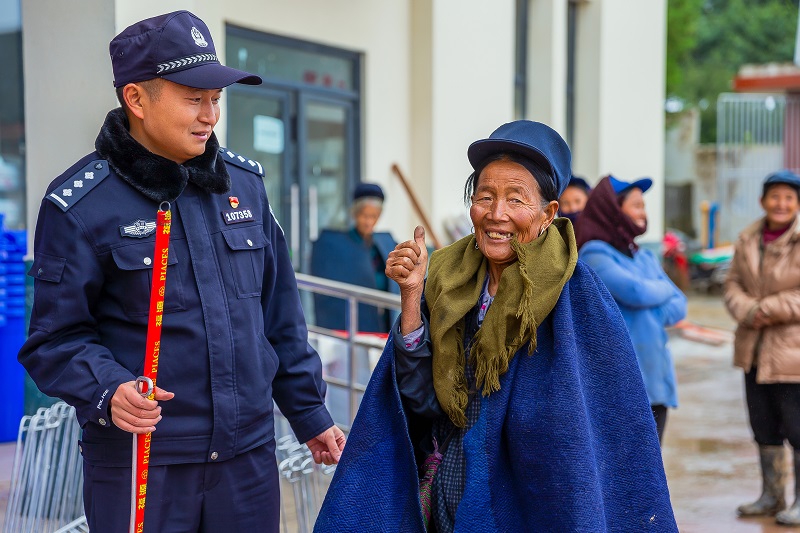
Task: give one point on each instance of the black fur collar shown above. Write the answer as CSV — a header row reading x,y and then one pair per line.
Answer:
x,y
157,177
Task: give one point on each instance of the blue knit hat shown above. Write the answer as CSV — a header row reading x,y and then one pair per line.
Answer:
x,y
372,190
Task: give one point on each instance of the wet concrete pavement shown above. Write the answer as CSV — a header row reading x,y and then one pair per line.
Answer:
x,y
709,456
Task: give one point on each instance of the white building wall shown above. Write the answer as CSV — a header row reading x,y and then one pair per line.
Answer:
x,y
68,88
620,87
546,97
437,75
472,90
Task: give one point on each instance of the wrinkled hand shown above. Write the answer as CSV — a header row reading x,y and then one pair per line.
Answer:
x,y
132,412
408,262
327,447
761,320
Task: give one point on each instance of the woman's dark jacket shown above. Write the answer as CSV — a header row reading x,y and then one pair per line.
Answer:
x,y
343,256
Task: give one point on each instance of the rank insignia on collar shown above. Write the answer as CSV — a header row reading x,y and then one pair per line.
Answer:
x,y
138,229
234,201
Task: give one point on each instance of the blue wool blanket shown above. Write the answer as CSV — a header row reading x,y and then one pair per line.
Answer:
x,y
567,444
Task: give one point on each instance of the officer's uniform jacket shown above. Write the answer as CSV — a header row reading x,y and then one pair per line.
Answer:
x,y
233,335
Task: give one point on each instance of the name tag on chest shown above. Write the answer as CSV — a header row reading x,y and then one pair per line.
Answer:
x,y
236,216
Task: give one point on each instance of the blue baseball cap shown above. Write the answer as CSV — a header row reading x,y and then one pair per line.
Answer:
x,y
534,140
177,47
620,186
785,177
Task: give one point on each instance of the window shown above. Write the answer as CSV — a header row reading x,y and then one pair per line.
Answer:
x,y
12,122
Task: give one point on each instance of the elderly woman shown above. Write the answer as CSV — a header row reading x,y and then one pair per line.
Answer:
x,y
358,256
762,292
613,217
509,370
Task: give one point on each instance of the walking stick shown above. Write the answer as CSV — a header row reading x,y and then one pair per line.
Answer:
x,y
146,384
428,228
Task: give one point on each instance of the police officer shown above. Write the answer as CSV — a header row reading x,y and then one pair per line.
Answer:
x,y
233,332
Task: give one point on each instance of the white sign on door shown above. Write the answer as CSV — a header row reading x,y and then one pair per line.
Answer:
x,y
268,134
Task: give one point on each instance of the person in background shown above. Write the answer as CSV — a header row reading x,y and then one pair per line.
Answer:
x,y
233,335
503,370
762,293
606,231
574,198
358,256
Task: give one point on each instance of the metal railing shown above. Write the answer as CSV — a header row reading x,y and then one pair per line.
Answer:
x,y
47,478
353,295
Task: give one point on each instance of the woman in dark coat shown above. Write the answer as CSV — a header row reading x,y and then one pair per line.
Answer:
x,y
358,256
510,368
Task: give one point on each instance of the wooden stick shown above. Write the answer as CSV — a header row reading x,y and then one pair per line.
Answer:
x,y
428,227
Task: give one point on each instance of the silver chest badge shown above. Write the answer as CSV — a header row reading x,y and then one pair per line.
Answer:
x,y
199,40
138,228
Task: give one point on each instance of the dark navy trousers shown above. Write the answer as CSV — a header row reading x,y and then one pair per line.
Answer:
x,y
238,495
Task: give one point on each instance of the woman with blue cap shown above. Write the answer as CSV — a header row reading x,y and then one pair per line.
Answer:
x,y
495,405
761,292
614,216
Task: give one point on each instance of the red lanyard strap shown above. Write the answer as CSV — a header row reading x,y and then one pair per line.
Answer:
x,y
146,384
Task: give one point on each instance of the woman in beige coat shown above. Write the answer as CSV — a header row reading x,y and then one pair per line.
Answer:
x,y
762,293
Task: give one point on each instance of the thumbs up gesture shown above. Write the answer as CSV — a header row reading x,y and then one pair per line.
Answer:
x,y
407,264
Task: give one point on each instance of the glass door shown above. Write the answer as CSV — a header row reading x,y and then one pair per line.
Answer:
x,y
259,126
328,167
302,124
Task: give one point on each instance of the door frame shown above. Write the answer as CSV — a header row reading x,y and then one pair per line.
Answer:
x,y
297,95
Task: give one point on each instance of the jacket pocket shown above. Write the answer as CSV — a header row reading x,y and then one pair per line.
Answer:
x,y
780,354
134,279
247,249
47,270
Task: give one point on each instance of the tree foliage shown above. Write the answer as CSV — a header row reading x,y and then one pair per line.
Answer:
x,y
708,40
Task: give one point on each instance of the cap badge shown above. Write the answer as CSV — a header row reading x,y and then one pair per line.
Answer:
x,y
234,201
199,40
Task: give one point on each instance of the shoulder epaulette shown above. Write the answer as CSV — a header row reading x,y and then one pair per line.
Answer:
x,y
79,184
241,161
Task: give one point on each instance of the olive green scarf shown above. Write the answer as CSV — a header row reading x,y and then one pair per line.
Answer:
x,y
528,291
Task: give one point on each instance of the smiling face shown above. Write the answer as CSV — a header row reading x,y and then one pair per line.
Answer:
x,y
507,204
633,206
780,204
176,122
573,200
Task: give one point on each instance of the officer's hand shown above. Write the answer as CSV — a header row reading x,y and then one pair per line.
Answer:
x,y
327,447
132,412
408,262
